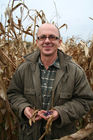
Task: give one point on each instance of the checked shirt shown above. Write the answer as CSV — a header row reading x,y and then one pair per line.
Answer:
x,y
47,78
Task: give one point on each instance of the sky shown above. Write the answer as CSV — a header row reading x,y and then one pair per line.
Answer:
x,y
74,13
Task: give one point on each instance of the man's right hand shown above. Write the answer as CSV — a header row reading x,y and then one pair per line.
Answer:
x,y
28,111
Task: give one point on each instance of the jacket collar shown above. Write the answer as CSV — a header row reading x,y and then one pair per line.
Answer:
x,y
63,58
33,57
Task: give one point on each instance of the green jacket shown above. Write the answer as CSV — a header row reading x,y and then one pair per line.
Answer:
x,y
72,96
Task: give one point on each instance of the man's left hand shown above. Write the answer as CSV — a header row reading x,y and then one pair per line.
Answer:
x,y
47,114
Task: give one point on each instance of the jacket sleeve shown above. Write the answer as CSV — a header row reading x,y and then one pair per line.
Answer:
x,y
15,94
80,103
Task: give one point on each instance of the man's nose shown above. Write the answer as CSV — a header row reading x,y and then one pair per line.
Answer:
x,y
47,39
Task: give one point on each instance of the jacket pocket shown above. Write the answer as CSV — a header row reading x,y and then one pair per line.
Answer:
x,y
28,130
64,97
25,132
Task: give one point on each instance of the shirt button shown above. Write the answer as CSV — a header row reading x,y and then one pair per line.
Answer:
x,y
44,84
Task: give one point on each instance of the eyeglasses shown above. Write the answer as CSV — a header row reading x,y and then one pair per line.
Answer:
x,y
50,37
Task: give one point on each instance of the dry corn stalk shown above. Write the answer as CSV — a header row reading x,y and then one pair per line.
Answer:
x,y
47,127
81,134
32,119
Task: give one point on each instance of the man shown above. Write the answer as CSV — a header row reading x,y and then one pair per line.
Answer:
x,y
51,82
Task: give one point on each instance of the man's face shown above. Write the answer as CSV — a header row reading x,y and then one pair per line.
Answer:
x,y
48,40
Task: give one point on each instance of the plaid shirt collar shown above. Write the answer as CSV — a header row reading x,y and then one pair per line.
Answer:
x,y
55,64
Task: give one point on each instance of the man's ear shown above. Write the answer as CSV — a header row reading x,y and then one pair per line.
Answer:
x,y
36,41
60,41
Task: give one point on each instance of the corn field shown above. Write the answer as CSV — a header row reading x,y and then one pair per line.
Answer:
x,y
13,46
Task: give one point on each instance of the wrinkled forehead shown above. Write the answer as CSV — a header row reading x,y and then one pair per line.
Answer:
x,y
47,29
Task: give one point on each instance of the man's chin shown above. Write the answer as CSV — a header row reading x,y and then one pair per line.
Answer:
x,y
47,53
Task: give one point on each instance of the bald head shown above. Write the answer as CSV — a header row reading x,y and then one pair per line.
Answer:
x,y
46,27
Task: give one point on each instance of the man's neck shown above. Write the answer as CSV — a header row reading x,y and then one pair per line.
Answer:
x,y
48,60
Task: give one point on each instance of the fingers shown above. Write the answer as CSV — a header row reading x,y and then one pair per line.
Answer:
x,y
45,114
42,114
38,118
28,112
55,114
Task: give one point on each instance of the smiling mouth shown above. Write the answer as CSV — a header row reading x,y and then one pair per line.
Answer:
x,y
48,46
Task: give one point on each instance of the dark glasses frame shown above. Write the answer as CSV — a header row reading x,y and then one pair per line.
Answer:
x,y
50,37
